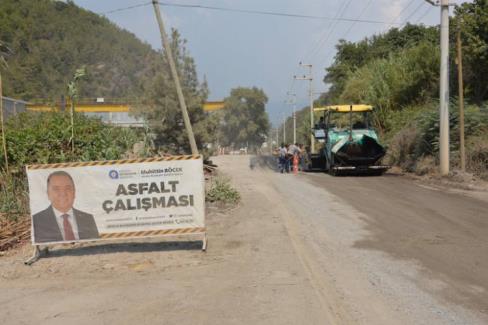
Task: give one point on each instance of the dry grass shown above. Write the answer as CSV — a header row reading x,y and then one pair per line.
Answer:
x,y
402,147
477,156
13,231
426,165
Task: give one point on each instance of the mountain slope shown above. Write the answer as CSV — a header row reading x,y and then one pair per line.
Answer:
x,y
50,40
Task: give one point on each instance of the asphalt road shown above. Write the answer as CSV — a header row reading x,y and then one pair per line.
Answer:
x,y
446,233
435,237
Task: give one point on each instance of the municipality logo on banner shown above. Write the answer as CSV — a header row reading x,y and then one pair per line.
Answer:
x,y
76,202
113,174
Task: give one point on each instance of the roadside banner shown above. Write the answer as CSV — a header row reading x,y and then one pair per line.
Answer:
x,y
88,201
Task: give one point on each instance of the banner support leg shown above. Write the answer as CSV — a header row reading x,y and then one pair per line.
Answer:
x,y
36,255
204,242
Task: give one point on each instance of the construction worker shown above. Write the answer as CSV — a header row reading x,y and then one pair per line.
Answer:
x,y
320,124
282,158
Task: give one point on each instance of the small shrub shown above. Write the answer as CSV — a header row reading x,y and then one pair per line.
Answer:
x,y
402,148
222,191
477,156
425,165
13,194
415,146
41,138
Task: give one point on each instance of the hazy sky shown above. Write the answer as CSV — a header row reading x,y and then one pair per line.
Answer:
x,y
238,49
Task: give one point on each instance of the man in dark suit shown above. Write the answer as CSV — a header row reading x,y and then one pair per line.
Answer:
x,y
60,221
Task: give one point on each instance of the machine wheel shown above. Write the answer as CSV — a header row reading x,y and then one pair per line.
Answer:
x,y
379,173
330,166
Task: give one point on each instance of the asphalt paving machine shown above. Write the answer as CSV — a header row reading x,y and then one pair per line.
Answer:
x,y
350,144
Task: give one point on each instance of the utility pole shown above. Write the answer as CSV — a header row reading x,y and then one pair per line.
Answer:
x,y
444,90
444,87
459,62
284,129
4,140
181,98
294,102
310,79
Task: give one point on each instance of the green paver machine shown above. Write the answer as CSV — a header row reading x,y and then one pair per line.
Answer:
x,y
350,144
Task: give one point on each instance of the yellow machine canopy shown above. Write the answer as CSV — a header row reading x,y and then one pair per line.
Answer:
x,y
345,108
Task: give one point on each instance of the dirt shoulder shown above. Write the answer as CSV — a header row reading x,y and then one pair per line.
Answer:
x,y
249,275
457,182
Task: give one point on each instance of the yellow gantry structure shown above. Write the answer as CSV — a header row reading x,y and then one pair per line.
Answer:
x,y
345,108
82,108
108,107
213,106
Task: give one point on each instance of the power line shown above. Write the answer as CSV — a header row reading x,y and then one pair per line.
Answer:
x,y
364,10
413,13
424,14
328,31
247,11
291,86
359,16
351,26
340,13
402,11
273,13
258,12
323,41
126,8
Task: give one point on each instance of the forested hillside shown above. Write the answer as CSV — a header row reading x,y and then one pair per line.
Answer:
x,y
49,40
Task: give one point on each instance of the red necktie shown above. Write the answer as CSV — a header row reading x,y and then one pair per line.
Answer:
x,y
68,230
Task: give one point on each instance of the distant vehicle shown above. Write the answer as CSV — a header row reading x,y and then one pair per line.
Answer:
x,y
351,145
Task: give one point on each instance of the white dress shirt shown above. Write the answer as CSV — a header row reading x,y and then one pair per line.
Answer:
x,y
72,221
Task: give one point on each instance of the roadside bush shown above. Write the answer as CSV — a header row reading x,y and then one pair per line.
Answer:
x,y
415,147
477,156
402,148
222,191
41,138
406,77
14,194
404,118
475,124
425,165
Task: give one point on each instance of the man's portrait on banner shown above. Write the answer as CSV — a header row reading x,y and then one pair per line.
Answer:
x,y
60,221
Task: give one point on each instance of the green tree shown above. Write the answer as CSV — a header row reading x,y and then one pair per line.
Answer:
x,y
473,19
4,52
351,56
406,77
245,121
160,106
